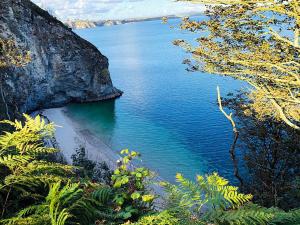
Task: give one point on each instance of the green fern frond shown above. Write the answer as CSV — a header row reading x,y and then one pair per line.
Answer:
x,y
58,217
285,218
43,167
254,215
235,198
13,161
34,209
241,216
27,138
34,149
163,218
33,183
57,204
102,195
31,220
69,194
215,180
212,191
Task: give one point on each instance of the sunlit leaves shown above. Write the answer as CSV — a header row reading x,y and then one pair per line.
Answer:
x,y
131,180
28,137
210,192
254,41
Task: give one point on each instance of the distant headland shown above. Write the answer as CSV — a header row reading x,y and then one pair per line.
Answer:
x,y
82,24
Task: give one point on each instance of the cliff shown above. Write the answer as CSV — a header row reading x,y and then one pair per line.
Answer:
x,y
80,24
63,68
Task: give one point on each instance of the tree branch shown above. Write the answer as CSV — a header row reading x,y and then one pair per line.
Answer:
x,y
235,139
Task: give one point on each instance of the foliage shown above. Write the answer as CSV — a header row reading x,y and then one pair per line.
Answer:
x,y
203,198
96,171
36,191
210,200
162,218
270,156
253,41
255,215
23,169
131,184
50,211
27,139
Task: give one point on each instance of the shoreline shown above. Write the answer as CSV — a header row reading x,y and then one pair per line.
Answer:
x,y
69,136
86,24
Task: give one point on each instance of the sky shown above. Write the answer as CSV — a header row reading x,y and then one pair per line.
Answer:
x,y
116,9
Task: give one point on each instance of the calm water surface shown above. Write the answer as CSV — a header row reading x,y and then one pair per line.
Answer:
x,y
166,113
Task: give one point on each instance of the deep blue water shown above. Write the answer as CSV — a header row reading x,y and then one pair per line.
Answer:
x,y
166,113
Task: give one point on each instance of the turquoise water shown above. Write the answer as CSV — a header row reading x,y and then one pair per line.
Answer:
x,y
166,113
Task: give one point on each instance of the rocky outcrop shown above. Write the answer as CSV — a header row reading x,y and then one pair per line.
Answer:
x,y
63,68
80,24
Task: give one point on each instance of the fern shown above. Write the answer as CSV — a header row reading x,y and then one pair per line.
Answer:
x,y
211,200
14,161
58,217
43,167
20,155
31,183
205,199
102,195
255,215
211,191
281,217
66,195
58,197
163,218
95,206
27,139
32,220
56,205
243,215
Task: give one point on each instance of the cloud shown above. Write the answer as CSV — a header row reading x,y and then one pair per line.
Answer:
x,y
116,9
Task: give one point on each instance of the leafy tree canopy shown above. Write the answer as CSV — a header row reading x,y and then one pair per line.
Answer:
x,y
256,41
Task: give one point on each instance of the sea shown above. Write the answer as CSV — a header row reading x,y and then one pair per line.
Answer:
x,y
168,114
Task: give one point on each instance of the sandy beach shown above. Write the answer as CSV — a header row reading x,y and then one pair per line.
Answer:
x,y
69,136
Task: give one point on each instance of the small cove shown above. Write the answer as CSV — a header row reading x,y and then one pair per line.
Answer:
x,y
166,113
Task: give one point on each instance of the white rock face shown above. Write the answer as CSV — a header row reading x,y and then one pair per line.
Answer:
x,y
64,67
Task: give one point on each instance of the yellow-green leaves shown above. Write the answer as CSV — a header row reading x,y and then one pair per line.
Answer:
x,y
119,200
161,218
145,198
256,42
210,192
27,139
20,153
120,181
179,177
14,161
130,181
124,152
135,195
215,179
148,198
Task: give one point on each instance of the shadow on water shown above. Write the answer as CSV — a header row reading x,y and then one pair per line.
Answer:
x,y
102,116
269,157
